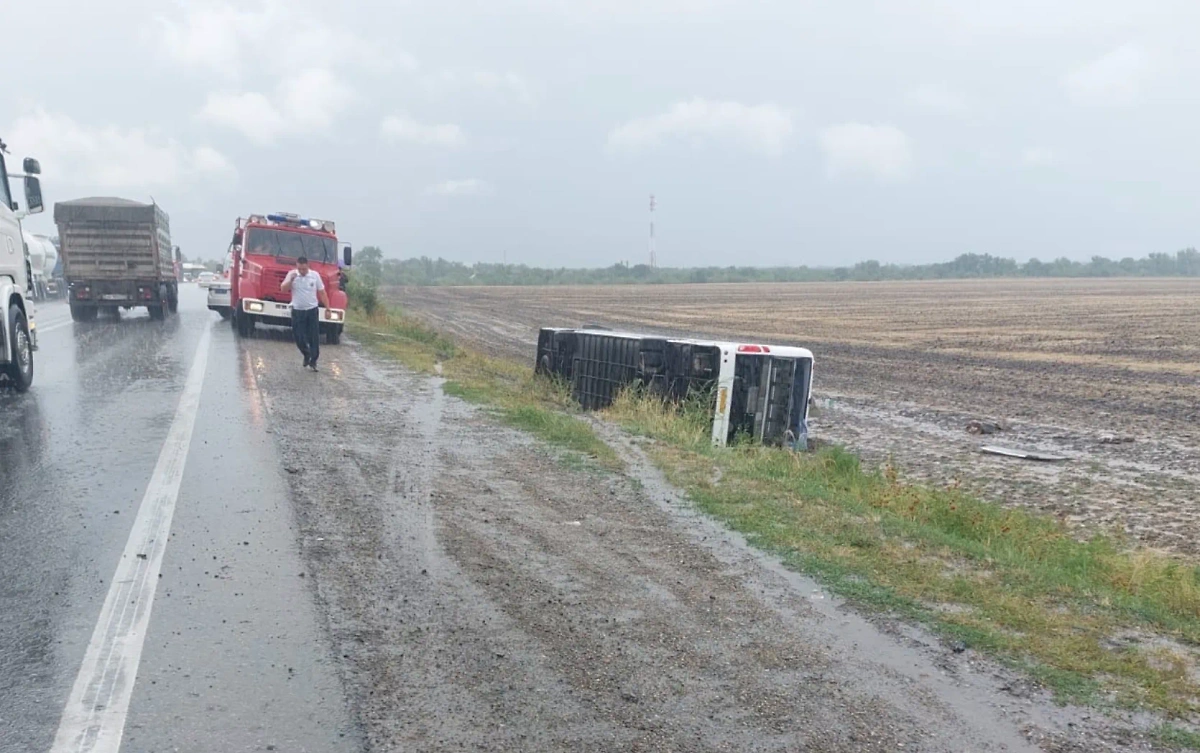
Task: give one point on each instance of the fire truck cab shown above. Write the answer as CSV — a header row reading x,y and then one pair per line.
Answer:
x,y
264,250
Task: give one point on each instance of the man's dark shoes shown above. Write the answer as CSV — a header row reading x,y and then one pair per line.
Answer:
x,y
306,363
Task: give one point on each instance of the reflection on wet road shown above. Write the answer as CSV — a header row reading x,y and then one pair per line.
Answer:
x,y
230,616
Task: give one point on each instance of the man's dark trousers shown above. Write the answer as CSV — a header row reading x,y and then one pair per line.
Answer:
x,y
306,327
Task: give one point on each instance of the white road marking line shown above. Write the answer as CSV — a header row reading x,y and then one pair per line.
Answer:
x,y
52,327
94,718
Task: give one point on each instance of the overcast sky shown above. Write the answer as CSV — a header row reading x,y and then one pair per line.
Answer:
x,y
772,132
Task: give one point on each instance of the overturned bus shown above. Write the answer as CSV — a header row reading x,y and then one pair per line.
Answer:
x,y
758,391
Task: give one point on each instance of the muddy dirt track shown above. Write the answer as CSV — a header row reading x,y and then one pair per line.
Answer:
x,y
1105,372
483,594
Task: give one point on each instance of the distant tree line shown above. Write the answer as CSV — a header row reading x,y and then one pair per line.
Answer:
x,y
373,268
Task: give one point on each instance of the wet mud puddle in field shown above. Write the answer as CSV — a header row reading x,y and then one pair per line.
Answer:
x,y
1140,485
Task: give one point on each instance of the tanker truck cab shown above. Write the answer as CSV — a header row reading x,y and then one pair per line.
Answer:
x,y
18,338
264,249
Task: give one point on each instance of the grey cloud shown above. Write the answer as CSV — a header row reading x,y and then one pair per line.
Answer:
x,y
288,111
111,158
764,128
401,128
1112,79
463,187
883,152
772,131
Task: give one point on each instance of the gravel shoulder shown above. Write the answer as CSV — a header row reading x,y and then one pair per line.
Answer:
x,y
483,593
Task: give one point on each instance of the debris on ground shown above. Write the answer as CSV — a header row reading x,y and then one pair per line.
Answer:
x,y
1021,454
984,427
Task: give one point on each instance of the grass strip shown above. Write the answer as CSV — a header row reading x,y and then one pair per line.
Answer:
x,y
508,390
1097,621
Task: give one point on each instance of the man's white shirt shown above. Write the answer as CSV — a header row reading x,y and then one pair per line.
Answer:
x,y
304,289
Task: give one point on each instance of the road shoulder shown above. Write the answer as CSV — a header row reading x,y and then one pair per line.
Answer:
x,y
486,593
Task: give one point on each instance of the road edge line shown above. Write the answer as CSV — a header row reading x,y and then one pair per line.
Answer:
x,y
93,719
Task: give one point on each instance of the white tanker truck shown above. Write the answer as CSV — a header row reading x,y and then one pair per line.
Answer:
x,y
43,257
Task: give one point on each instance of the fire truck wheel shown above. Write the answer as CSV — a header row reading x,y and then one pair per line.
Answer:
x,y
20,371
158,311
173,299
245,324
333,335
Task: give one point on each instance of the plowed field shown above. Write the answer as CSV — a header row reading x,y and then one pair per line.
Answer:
x,y
1105,372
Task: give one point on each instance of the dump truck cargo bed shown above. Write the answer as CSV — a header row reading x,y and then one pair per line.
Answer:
x,y
116,254
114,239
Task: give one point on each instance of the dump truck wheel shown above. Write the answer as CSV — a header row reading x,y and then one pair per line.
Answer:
x,y
84,313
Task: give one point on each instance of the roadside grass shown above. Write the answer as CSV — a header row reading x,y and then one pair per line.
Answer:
x,y
1009,582
509,390
1177,736
1097,621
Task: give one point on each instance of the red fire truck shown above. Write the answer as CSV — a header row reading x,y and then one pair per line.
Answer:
x,y
264,249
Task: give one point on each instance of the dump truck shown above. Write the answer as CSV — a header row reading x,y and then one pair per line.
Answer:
x,y
116,253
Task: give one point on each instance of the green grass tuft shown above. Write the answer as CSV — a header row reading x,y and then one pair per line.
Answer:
x,y
1178,736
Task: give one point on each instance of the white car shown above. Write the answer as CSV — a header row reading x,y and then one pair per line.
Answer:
x,y
205,279
218,297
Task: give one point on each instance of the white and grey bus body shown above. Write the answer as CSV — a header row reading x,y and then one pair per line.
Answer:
x,y
771,383
759,392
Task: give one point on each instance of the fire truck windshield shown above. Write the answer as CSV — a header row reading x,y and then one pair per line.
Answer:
x,y
319,249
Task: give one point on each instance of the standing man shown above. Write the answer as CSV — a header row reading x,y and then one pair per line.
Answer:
x,y
308,290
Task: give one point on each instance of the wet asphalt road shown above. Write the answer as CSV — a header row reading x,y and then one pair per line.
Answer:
x,y
235,657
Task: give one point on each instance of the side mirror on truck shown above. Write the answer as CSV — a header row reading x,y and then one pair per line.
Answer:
x,y
33,185
346,255
33,194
